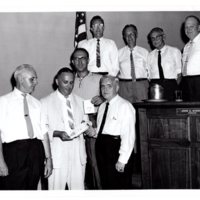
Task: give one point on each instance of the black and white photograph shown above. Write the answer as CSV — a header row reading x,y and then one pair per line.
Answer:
x,y
99,99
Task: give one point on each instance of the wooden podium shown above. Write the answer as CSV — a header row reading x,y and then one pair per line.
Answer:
x,y
169,141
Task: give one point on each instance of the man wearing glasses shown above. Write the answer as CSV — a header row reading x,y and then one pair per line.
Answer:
x,y
164,63
86,85
103,52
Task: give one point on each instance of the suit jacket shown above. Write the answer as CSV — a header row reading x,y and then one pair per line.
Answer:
x,y
52,116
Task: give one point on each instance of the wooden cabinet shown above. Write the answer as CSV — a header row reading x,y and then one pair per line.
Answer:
x,y
169,140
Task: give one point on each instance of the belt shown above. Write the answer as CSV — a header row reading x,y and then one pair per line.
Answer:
x,y
115,137
101,73
158,79
138,79
191,76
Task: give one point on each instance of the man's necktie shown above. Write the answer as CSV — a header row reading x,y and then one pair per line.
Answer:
x,y
103,119
27,118
160,66
98,58
132,66
187,52
70,115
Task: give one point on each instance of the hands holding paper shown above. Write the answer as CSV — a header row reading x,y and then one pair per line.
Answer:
x,y
91,132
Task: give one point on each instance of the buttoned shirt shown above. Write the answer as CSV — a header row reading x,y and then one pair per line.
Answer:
x,y
88,86
140,55
120,121
170,61
12,121
108,54
193,59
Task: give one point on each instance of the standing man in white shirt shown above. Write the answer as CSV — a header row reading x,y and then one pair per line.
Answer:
x,y
62,112
164,63
133,75
191,60
116,136
22,154
103,52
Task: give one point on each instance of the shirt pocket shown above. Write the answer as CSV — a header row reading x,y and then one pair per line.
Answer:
x,y
113,125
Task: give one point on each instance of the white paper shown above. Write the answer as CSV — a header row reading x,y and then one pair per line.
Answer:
x,y
78,130
89,108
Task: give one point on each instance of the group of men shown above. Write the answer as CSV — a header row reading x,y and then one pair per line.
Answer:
x,y
82,135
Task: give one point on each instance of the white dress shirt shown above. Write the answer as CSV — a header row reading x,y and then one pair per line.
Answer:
x,y
170,61
120,120
193,59
12,121
140,55
108,54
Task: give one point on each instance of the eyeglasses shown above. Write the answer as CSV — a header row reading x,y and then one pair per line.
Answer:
x,y
81,59
97,25
158,37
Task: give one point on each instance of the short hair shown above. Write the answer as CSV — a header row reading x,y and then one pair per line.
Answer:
x,y
79,49
97,17
156,29
112,78
63,70
23,68
129,26
195,17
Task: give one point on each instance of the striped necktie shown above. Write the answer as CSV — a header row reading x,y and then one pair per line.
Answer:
x,y
70,115
161,74
132,66
98,57
187,52
103,119
27,117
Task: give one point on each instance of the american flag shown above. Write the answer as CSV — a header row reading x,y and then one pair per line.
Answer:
x,y
80,28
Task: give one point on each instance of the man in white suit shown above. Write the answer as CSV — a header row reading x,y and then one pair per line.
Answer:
x,y
68,152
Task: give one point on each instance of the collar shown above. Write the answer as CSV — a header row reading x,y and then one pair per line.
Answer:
x,y
62,97
195,39
132,49
162,49
100,39
112,100
19,93
89,74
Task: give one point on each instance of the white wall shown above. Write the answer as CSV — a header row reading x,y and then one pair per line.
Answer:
x,y
45,39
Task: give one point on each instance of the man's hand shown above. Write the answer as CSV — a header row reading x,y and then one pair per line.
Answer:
x,y
48,167
62,135
119,167
91,132
97,100
3,169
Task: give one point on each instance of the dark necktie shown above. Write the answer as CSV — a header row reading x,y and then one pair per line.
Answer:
x,y
132,66
103,119
27,118
160,66
70,115
98,58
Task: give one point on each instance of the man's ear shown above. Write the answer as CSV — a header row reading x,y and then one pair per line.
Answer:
x,y
56,80
20,78
199,28
164,37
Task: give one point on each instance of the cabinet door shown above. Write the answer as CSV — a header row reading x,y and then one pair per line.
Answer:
x,y
170,167
169,150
